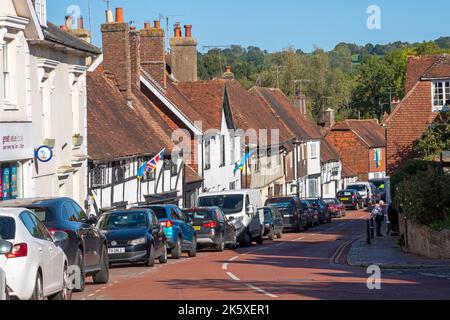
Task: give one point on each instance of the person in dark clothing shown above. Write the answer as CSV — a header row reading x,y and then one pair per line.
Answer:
x,y
378,216
393,218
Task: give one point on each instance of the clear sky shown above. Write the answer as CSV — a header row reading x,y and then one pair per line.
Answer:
x,y
276,24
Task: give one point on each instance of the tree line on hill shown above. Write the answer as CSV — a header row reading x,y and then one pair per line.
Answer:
x,y
356,81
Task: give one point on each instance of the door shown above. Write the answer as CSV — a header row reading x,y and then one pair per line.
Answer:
x,y
93,236
44,251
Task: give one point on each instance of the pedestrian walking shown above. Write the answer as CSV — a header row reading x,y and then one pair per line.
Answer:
x,y
378,216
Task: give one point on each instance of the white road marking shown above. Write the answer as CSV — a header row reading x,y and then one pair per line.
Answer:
x,y
262,291
91,295
232,276
234,258
225,266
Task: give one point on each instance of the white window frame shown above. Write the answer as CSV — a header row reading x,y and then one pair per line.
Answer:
x,y
313,151
438,103
6,73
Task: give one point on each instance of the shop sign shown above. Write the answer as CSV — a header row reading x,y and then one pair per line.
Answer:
x,y
16,141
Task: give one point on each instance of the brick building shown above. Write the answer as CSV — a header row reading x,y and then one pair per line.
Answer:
x,y
427,89
362,146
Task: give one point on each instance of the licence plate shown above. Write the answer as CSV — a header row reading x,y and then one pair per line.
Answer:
x,y
197,228
116,250
288,215
344,199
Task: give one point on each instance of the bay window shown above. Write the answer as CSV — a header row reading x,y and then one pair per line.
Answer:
x,y
441,94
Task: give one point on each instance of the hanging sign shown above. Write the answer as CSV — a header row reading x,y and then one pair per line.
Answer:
x,y
44,154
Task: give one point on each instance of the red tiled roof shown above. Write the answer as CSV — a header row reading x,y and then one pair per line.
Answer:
x,y
192,176
368,130
328,153
116,130
347,172
439,70
416,67
301,126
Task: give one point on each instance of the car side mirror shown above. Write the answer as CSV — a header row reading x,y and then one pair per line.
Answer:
x,y
250,210
59,237
5,247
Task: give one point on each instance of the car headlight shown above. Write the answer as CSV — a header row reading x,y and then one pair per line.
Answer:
x,y
138,241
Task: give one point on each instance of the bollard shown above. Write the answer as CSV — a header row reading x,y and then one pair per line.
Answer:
x,y
2,285
368,231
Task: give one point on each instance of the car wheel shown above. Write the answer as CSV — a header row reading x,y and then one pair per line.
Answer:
x,y
102,276
221,245
298,227
151,257
272,234
193,252
260,239
66,293
176,251
38,293
163,258
82,267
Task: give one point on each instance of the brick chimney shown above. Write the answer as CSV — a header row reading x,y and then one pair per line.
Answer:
x,y
153,52
228,74
329,118
135,56
184,55
116,52
300,104
80,32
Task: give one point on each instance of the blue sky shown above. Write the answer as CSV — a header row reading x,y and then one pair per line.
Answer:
x,y
276,24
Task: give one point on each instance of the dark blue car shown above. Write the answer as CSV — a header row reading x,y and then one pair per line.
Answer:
x,y
181,236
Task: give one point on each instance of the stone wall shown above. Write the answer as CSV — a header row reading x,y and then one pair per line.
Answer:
x,y
424,241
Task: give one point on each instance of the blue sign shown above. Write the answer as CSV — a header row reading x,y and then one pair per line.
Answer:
x,y
44,154
6,184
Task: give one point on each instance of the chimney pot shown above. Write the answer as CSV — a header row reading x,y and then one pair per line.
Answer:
x,y
63,27
147,25
80,23
157,24
69,22
109,16
119,14
188,31
177,31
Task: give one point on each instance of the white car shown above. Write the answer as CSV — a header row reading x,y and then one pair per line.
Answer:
x,y
34,264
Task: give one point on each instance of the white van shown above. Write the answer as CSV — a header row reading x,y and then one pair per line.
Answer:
x,y
241,208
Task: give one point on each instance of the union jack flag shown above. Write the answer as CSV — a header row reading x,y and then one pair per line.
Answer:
x,y
150,167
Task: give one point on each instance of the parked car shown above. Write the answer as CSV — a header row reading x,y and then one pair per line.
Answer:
x,y
336,207
240,207
313,215
34,264
273,223
212,227
370,194
321,207
134,236
180,234
291,208
87,247
384,186
351,199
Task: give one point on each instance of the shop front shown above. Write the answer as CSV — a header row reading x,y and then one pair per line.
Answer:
x,y
16,153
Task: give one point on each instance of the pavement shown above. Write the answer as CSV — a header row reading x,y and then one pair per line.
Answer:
x,y
300,266
387,254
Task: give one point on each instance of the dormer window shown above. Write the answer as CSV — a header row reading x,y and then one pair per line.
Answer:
x,y
41,10
441,94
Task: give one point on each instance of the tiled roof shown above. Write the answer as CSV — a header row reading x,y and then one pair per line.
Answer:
x,y
192,176
347,172
300,126
328,153
55,34
368,130
439,70
416,67
116,130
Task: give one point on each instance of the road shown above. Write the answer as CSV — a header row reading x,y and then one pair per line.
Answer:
x,y
301,266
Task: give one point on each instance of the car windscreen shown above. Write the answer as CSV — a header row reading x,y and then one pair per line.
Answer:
x,y
160,212
281,204
331,201
314,202
126,220
345,194
200,215
358,187
229,204
7,228
43,214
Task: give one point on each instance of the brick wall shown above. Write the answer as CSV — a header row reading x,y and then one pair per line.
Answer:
x,y
354,153
422,240
407,124
152,54
135,57
184,59
116,54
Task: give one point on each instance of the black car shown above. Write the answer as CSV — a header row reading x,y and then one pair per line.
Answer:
x,y
313,214
212,227
134,236
273,223
322,209
351,199
294,216
87,246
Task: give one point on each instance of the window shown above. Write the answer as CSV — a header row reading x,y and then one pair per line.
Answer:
x,y
7,228
41,11
118,172
441,94
313,189
173,169
69,213
35,227
98,176
313,151
208,153
232,150
222,151
6,76
79,211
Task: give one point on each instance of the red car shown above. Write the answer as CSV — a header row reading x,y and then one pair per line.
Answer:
x,y
336,207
